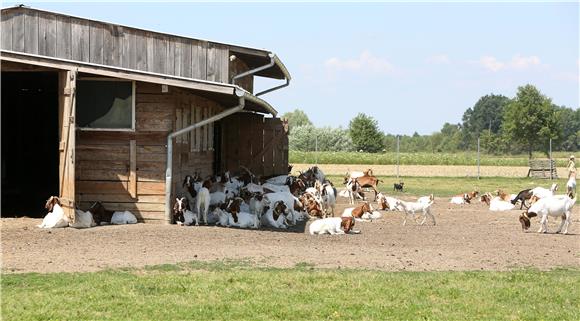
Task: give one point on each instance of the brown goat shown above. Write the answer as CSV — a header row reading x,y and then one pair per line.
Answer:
x,y
369,181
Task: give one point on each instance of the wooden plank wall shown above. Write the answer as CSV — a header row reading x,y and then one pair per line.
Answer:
x,y
194,150
260,144
237,66
104,159
60,36
130,178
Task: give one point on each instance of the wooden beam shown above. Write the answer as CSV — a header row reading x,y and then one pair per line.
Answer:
x,y
133,168
116,72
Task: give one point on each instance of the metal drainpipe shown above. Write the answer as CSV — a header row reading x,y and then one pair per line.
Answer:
x,y
255,70
274,88
169,167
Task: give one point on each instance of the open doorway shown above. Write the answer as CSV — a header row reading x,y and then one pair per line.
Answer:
x,y
30,156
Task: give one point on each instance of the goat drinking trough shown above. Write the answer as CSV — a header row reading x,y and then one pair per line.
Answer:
x,y
93,111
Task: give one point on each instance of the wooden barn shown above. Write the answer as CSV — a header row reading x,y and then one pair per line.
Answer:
x,y
95,111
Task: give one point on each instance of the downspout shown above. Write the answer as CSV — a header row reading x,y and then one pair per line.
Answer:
x,y
255,70
273,61
169,167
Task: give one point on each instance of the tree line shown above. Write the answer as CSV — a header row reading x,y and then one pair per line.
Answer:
x,y
521,124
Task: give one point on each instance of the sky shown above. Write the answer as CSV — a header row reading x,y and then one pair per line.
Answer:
x,y
411,66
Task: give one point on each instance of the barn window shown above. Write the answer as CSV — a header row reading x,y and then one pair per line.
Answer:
x,y
105,104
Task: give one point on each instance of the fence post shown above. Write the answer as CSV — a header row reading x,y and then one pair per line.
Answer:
x,y
316,149
398,138
551,169
478,162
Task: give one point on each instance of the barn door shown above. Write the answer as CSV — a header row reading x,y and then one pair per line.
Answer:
x,y
67,125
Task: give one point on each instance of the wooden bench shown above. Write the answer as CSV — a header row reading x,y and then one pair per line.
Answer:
x,y
541,168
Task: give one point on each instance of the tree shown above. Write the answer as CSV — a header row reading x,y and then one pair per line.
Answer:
x,y
365,134
570,124
486,115
531,119
297,118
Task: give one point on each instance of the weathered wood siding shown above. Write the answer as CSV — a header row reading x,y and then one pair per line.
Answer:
x,y
60,36
237,66
260,144
108,168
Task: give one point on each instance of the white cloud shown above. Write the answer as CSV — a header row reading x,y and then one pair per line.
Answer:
x,y
366,63
518,62
491,63
438,59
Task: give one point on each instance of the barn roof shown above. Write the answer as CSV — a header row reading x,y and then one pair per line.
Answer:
x,y
253,57
223,93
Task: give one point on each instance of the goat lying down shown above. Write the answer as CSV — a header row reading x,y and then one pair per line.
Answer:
x,y
332,225
55,217
557,206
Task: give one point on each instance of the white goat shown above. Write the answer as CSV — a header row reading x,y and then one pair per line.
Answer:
x,y
245,220
55,217
571,185
257,205
541,192
276,188
277,180
412,207
328,199
353,190
202,203
126,217
276,216
496,204
217,198
558,206
83,220
289,200
332,225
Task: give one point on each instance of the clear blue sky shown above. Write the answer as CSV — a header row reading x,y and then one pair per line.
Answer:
x,y
411,66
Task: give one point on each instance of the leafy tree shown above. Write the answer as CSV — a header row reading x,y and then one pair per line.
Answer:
x,y
303,138
570,124
486,115
297,118
365,134
531,119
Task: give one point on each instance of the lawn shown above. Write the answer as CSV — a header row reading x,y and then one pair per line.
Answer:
x,y
390,158
448,186
236,291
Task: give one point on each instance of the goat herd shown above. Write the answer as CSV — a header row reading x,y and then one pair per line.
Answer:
x,y
279,202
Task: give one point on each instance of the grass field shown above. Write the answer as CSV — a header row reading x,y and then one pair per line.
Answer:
x,y
390,158
235,291
448,186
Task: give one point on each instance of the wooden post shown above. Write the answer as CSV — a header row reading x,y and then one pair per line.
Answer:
x,y
133,168
67,125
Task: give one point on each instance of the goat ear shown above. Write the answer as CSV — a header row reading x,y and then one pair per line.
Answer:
x,y
532,214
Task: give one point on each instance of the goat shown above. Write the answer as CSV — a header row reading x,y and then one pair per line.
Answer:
x,y
312,206
290,200
100,214
426,199
398,187
382,202
241,219
464,198
120,218
353,190
497,204
558,206
486,198
332,225
203,201
369,181
412,207
182,213
358,212
541,192
503,195
55,217
82,220
522,196
258,204
328,195
276,216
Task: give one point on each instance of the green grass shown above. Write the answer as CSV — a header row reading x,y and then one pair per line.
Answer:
x,y
390,158
223,291
448,186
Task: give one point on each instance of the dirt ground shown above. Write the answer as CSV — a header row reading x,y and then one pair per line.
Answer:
x,y
466,237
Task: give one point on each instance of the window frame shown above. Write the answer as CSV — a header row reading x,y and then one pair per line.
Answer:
x,y
133,94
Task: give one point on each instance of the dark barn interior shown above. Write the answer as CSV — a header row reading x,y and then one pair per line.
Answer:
x,y
30,156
